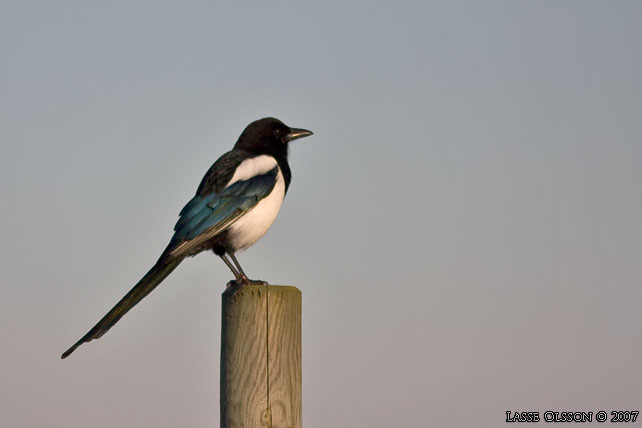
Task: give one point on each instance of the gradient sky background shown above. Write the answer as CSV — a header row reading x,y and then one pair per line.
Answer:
x,y
465,225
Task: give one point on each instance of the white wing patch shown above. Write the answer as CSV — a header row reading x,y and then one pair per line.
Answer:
x,y
252,167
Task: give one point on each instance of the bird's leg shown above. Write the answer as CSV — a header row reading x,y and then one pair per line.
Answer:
x,y
239,277
244,277
238,266
236,273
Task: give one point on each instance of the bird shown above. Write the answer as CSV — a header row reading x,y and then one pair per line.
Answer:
x,y
235,204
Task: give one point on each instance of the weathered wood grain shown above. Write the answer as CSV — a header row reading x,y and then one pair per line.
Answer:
x,y
261,357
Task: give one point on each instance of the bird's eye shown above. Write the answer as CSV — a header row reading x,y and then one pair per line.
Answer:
x,y
277,132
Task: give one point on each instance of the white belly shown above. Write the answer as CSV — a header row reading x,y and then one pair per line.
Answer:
x,y
253,225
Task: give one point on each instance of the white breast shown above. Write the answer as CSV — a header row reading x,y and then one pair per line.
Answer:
x,y
253,225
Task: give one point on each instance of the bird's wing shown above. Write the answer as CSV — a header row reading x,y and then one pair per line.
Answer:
x,y
216,207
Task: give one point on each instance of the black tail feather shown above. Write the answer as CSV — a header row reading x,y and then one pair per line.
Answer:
x,y
155,276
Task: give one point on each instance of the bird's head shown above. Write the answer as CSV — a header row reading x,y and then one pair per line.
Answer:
x,y
269,136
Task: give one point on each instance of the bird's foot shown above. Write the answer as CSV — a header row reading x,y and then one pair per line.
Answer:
x,y
244,280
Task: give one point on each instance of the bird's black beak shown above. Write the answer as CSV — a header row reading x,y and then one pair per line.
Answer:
x,y
296,133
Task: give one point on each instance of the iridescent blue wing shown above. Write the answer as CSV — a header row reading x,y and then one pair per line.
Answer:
x,y
211,211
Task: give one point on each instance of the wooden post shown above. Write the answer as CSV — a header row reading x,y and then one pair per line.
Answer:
x,y
261,357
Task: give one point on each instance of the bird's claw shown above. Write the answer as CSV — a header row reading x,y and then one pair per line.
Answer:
x,y
240,282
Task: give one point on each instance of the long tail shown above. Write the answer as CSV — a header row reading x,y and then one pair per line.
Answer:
x,y
155,276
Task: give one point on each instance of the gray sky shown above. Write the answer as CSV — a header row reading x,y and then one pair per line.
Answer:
x,y
464,225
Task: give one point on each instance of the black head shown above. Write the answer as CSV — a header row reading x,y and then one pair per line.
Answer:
x,y
269,136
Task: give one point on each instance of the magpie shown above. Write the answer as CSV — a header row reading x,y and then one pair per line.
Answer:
x,y
238,199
